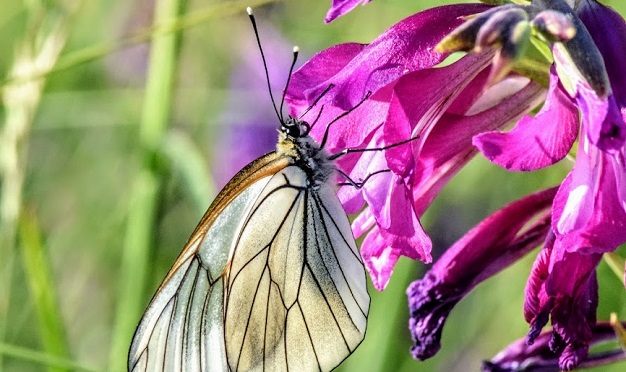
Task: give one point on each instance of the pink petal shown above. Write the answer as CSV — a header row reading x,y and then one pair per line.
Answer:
x,y
407,46
341,7
536,142
318,71
398,231
574,203
449,146
589,213
363,223
437,89
379,259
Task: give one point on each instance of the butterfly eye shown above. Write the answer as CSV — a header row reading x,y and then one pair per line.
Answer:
x,y
292,128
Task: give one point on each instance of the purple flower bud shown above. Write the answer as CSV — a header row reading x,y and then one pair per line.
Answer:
x,y
488,248
554,26
499,27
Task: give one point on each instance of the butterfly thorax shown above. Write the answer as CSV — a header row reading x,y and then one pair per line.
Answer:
x,y
294,142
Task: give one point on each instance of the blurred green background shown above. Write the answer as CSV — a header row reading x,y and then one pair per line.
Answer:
x,y
112,157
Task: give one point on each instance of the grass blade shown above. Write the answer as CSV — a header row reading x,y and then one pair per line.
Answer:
x,y
145,193
43,290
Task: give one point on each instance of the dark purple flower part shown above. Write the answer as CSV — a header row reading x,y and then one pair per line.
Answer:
x,y
538,356
506,26
608,30
562,287
341,7
554,26
443,106
488,248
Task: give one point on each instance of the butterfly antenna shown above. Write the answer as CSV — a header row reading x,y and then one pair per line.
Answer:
x,y
267,74
296,50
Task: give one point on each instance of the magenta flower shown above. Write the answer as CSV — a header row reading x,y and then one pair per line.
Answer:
x,y
447,114
589,210
453,112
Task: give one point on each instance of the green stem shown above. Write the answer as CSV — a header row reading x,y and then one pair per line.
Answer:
x,y
189,165
43,291
616,263
145,190
195,18
41,358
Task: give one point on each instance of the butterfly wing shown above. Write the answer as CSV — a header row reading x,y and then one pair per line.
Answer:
x,y
271,279
183,325
182,328
297,295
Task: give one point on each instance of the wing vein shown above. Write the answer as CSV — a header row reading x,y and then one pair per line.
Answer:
x,y
319,249
308,332
267,247
323,220
188,310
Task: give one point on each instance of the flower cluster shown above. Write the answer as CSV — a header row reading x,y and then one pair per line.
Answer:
x,y
456,110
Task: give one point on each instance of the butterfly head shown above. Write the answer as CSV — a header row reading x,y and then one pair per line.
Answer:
x,y
295,129
293,137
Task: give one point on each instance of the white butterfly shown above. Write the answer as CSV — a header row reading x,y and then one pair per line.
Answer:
x,y
271,278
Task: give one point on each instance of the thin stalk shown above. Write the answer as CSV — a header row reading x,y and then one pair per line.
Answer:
x,y
189,165
35,55
43,290
617,265
197,17
42,358
145,192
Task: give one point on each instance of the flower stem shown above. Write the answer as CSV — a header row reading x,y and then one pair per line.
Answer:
x,y
43,290
145,190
